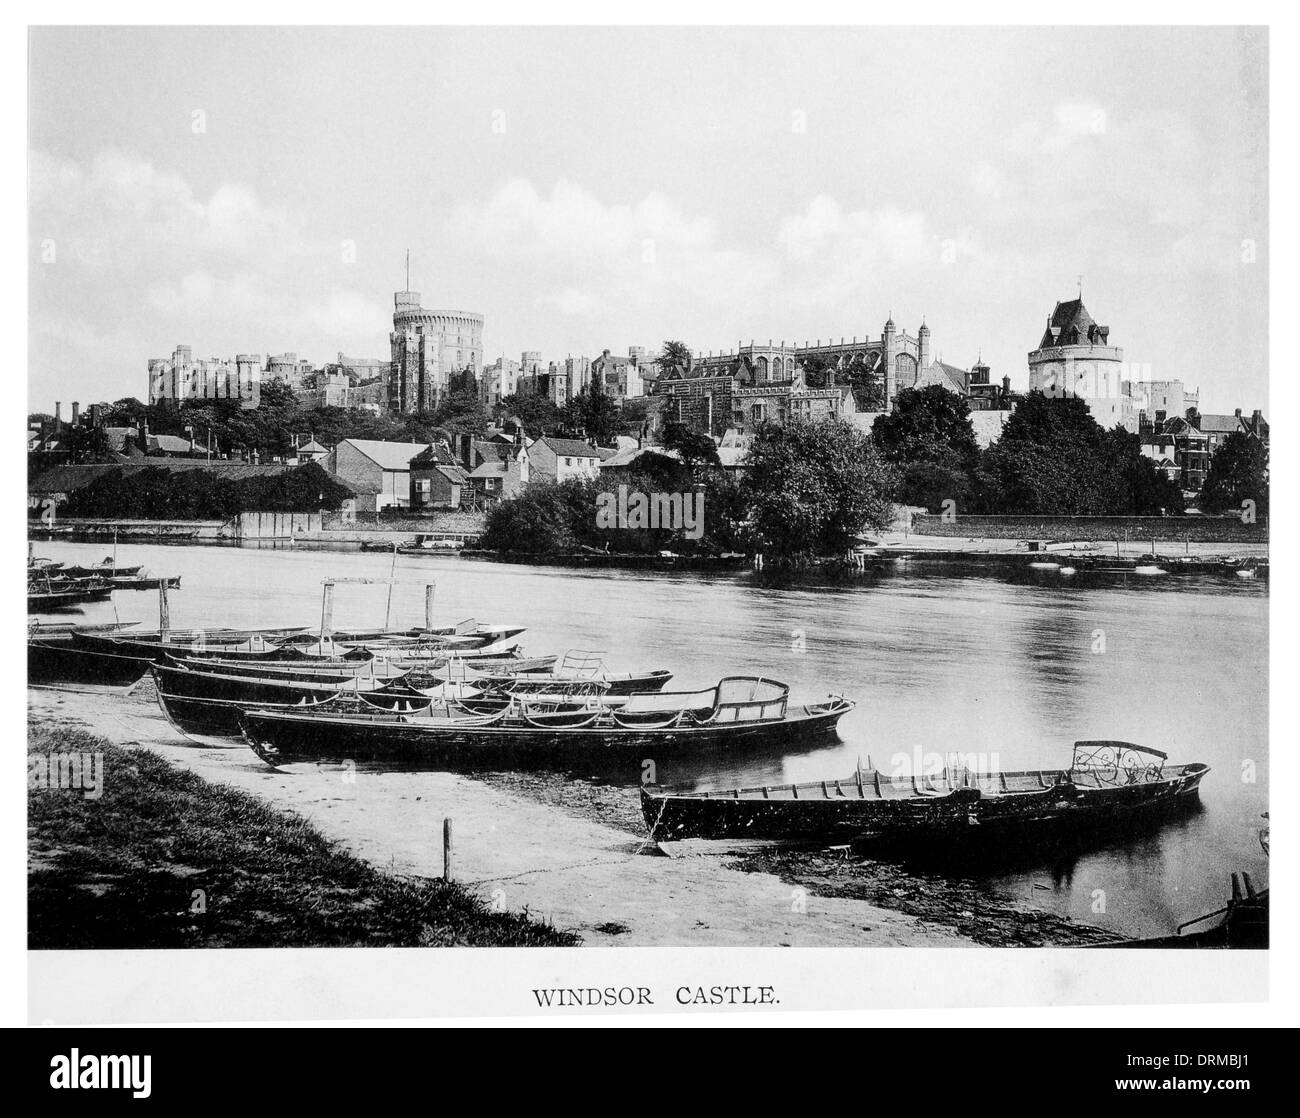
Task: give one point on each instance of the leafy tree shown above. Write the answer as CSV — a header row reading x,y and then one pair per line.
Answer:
x,y
538,414
865,377
538,521
929,437
1054,458
463,382
694,447
461,410
817,370
814,485
633,414
156,492
675,354
726,512
593,413
927,424
1238,472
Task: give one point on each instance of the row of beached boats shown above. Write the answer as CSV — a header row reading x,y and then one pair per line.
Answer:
x,y
466,697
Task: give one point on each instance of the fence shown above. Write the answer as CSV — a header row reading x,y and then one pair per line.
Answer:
x,y
277,525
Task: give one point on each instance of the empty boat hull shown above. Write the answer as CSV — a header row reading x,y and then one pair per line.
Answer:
x,y
848,810
283,737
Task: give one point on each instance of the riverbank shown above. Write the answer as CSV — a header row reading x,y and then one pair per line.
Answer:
x,y
152,856
568,852
1178,555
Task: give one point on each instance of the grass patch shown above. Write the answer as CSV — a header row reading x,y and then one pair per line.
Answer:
x,y
166,859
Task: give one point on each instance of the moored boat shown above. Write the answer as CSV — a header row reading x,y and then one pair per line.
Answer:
x,y
1107,782
58,660
48,594
214,702
740,712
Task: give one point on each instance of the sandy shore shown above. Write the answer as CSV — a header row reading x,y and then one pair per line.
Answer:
x,y
522,854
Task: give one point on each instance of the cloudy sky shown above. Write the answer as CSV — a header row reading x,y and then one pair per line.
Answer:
x,y
256,190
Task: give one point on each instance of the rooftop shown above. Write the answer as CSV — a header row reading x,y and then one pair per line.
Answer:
x,y
386,455
1071,324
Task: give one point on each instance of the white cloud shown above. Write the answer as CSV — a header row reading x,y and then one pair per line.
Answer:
x,y
888,235
148,261
573,223
120,211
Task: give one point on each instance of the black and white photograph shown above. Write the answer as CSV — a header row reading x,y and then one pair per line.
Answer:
x,y
645,500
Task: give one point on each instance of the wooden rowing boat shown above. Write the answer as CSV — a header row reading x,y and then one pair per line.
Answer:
x,y
56,596
213,702
741,712
55,660
1107,781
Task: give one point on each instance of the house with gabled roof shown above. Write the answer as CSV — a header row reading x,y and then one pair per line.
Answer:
x,y
435,482
555,459
379,471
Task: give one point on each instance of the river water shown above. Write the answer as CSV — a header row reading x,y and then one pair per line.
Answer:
x,y
939,659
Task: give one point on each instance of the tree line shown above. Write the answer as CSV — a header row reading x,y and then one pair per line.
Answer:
x,y
813,488
157,493
1050,458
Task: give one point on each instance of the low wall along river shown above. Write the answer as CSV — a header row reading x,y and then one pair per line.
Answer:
x,y
1197,529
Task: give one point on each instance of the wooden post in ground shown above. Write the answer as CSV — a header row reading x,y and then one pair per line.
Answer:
x,y
326,614
446,850
428,604
164,614
392,573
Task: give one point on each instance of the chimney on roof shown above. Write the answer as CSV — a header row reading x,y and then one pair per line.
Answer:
x,y
1237,413
76,413
58,415
1256,416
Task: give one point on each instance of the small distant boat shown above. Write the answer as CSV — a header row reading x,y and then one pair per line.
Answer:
x,y
1149,569
51,595
1068,571
1041,565
1246,572
105,569
1107,782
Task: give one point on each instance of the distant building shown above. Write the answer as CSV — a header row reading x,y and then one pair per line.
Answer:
x,y
1217,428
1184,446
437,482
620,377
1075,358
713,404
379,472
555,459
551,384
496,467
288,370
428,348
499,380
1165,399
181,379
307,449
